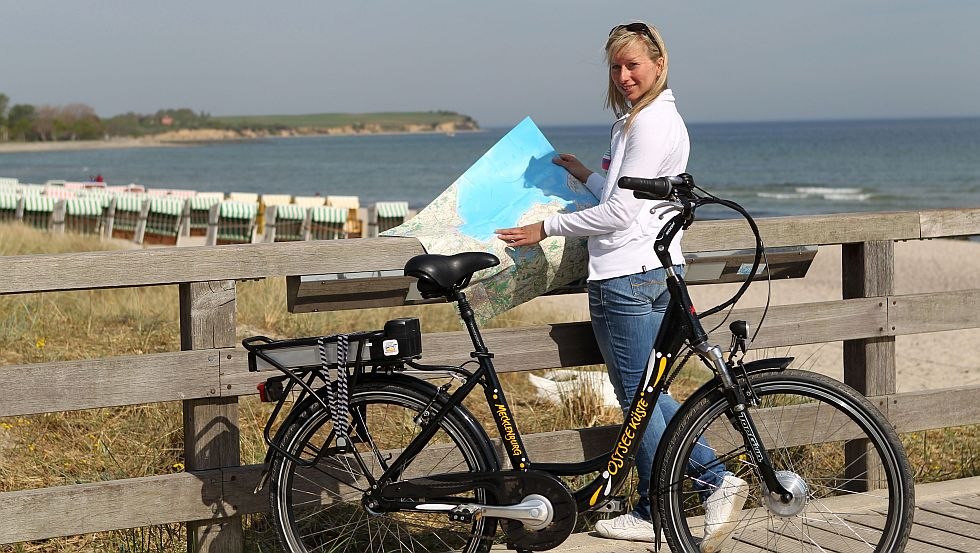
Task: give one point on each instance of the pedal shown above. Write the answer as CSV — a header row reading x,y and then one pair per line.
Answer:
x,y
614,504
461,513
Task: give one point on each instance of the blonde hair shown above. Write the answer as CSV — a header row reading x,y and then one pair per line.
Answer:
x,y
621,38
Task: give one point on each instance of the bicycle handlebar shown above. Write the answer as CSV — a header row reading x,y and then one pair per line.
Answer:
x,y
659,188
681,188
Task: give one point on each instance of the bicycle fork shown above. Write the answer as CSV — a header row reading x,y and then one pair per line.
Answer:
x,y
741,420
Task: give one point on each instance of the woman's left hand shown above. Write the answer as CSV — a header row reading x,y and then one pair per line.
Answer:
x,y
522,236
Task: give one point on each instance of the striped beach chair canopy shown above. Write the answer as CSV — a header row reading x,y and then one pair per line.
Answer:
x,y
204,200
231,209
291,211
31,189
84,206
347,202
130,202
167,206
8,200
38,203
327,214
309,201
392,209
8,183
244,197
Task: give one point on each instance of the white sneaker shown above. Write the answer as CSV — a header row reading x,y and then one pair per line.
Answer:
x,y
625,527
721,511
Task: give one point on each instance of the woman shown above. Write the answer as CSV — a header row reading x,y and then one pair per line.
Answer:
x,y
627,291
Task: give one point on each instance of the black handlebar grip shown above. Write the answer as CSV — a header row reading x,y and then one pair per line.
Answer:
x,y
650,189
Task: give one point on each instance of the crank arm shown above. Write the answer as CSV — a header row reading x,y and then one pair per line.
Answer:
x,y
535,512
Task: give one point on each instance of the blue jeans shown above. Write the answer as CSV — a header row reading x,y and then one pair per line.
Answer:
x,y
626,315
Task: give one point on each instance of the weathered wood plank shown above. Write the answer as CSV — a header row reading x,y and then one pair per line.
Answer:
x,y
129,503
211,431
929,409
934,312
801,231
111,269
36,273
108,382
947,531
807,323
949,222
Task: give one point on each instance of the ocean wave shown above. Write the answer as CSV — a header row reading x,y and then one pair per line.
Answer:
x,y
822,192
781,195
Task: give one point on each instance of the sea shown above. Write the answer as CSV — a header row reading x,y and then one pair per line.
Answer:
x,y
772,168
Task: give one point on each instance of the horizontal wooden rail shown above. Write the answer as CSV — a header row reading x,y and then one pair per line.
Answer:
x,y
113,269
127,380
67,510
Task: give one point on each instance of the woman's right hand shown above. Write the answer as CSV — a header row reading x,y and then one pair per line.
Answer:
x,y
574,167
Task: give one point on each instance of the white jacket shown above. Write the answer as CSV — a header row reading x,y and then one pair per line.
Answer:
x,y
621,228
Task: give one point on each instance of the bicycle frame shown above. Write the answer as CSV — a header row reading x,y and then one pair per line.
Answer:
x,y
681,323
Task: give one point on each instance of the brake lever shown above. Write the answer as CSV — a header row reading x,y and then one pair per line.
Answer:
x,y
669,206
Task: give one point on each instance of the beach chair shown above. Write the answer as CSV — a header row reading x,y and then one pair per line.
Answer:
x,y
385,215
38,210
84,215
352,227
266,200
10,206
327,223
9,184
235,223
163,220
127,211
309,201
200,208
286,223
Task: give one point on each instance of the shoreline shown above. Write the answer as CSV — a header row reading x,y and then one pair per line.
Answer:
x,y
191,138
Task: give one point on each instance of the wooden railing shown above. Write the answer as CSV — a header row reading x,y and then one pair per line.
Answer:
x,y
210,374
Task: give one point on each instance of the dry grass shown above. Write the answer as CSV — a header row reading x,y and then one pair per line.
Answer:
x,y
106,444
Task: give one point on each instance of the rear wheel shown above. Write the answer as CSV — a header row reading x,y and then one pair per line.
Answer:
x,y
319,508
828,444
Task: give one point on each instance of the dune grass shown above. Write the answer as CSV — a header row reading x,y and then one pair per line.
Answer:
x,y
105,444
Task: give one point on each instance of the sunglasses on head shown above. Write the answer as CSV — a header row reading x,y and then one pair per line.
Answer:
x,y
637,28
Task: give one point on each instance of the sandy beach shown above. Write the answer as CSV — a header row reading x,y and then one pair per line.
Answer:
x,y
72,145
923,361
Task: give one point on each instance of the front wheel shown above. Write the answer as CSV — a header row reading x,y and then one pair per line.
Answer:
x,y
842,460
319,508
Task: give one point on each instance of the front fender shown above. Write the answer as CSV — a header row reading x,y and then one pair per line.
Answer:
x,y
771,364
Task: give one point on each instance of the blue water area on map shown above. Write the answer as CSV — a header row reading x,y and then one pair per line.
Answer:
x,y
512,177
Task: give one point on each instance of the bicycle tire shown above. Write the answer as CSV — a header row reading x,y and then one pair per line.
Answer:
x,y
803,419
319,508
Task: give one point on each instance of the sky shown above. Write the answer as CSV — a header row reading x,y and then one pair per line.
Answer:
x,y
499,61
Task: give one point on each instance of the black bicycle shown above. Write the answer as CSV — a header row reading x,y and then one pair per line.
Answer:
x,y
372,456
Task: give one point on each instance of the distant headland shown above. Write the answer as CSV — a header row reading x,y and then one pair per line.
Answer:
x,y
77,127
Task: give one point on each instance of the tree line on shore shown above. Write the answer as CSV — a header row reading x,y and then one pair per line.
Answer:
x,y
78,121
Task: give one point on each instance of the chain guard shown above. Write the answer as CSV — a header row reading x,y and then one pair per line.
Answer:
x,y
519,485
503,488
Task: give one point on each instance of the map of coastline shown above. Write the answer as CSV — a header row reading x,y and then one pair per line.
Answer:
x,y
512,184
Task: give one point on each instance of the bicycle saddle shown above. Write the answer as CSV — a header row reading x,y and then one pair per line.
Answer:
x,y
440,275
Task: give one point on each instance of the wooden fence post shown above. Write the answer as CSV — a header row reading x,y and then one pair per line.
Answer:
x,y
211,431
269,234
213,215
868,270
141,221
58,217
